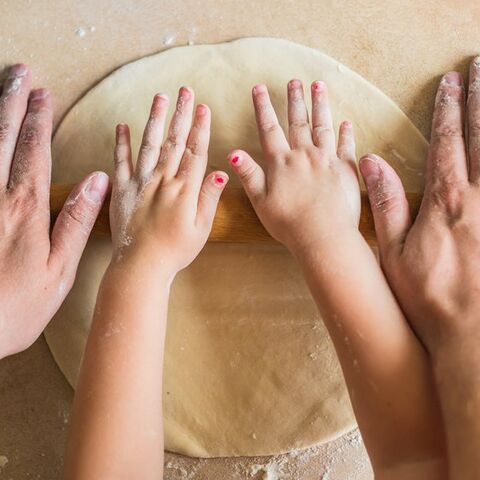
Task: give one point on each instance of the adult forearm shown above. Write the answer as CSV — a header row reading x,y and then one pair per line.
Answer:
x,y
117,417
459,391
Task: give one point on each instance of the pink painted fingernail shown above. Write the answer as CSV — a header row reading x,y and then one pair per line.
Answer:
x,y
18,70
346,124
96,187
39,94
235,160
219,180
318,86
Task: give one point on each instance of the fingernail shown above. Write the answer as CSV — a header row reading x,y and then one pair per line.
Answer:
x,y
96,187
347,124
318,86
370,171
39,94
453,78
201,110
185,92
476,61
295,83
18,70
235,160
260,88
220,180
161,96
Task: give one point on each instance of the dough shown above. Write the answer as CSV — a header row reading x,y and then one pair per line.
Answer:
x,y
249,367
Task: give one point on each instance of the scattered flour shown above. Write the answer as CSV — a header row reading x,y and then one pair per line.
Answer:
x,y
80,32
3,461
169,39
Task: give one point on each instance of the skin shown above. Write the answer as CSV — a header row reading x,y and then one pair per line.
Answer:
x,y
161,215
307,197
433,263
28,301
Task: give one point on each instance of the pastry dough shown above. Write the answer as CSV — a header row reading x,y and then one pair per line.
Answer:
x,y
249,367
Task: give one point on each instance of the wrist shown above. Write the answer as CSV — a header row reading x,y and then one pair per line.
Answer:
x,y
326,243
139,270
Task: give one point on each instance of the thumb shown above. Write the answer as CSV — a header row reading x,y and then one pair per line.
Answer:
x,y
249,172
388,202
210,191
75,222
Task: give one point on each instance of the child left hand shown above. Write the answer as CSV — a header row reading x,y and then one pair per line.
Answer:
x,y
162,211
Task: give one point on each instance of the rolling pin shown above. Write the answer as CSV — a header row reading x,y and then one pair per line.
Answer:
x,y
235,221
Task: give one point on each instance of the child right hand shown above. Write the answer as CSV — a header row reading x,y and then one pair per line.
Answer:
x,y
309,189
162,211
308,198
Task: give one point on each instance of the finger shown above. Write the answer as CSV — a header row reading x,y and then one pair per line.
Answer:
x,y
346,146
174,146
388,203
212,188
74,224
250,174
272,138
322,125
447,160
473,120
299,130
152,137
13,105
122,156
194,161
31,166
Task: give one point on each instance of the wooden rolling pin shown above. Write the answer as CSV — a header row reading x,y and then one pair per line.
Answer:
x,y
235,221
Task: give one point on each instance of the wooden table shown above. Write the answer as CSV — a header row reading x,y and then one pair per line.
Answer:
x,y
402,47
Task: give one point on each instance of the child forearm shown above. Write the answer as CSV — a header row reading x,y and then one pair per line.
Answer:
x,y
370,334
117,418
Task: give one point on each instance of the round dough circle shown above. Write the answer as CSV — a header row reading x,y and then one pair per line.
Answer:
x,y
249,367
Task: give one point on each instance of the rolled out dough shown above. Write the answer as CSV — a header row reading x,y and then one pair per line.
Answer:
x,y
249,367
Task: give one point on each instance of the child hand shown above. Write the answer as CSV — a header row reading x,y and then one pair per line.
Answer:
x,y
308,189
37,268
308,198
162,211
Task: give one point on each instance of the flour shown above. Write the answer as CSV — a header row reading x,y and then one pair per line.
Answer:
x,y
3,461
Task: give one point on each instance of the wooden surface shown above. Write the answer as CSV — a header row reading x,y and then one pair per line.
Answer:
x,y
402,47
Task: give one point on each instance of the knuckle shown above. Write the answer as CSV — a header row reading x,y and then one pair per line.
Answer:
x,y
448,130
474,126
5,130
248,172
299,124
31,136
80,212
449,195
268,127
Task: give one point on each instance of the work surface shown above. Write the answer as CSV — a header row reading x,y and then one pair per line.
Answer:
x,y
402,47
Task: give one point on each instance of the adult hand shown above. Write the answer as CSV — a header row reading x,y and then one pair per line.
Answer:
x,y
433,263
37,268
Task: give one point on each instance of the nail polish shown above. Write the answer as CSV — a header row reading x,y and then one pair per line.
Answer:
x,y
219,179
235,160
